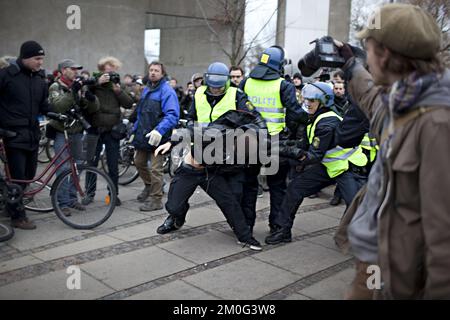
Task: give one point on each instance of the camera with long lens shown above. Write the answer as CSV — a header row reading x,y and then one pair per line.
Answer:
x,y
86,82
325,54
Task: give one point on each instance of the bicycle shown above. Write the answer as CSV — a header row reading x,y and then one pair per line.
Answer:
x,y
74,181
127,171
9,194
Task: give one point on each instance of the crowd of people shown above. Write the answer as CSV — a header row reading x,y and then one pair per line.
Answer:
x,y
377,128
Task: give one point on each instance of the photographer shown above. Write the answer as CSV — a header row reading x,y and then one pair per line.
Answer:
x,y
106,122
23,96
401,220
62,96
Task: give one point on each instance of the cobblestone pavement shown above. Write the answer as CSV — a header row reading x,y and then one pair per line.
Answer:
x,y
126,259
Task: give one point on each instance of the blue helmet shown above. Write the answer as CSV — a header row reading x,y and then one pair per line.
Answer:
x,y
319,91
273,58
217,75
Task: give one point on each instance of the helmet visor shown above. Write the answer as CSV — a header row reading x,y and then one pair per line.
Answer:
x,y
216,80
311,92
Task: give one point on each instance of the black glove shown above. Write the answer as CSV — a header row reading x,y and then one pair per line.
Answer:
x,y
89,96
346,52
292,152
76,86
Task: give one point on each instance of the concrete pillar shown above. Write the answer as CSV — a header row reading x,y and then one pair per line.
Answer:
x,y
339,19
281,23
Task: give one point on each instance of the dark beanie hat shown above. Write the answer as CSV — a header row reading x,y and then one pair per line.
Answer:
x,y
31,49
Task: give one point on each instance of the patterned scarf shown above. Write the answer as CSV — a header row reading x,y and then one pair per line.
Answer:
x,y
405,93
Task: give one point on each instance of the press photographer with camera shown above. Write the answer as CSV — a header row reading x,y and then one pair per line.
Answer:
x,y
66,96
400,221
106,122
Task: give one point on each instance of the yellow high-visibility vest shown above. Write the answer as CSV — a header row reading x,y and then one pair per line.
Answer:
x,y
370,144
206,114
265,97
336,160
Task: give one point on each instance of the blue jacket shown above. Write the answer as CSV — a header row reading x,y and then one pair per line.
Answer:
x,y
158,110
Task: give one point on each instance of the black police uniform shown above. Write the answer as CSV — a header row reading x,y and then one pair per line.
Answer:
x,y
277,183
312,176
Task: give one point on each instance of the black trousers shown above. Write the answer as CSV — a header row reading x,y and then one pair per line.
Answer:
x,y
112,149
277,189
312,181
22,166
183,185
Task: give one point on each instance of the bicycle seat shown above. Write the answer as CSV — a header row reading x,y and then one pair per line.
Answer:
x,y
7,134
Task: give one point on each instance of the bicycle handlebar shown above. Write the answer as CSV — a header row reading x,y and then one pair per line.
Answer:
x,y
71,115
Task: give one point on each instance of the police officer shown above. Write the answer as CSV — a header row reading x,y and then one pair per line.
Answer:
x,y
323,164
275,99
211,101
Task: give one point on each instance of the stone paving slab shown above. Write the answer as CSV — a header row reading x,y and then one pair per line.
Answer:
x,y
333,212
326,241
137,232
46,232
302,258
177,290
53,286
245,279
121,216
77,247
332,288
204,215
203,248
297,296
133,268
18,263
313,221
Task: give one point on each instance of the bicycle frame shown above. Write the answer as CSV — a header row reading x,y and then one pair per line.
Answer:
x,y
52,167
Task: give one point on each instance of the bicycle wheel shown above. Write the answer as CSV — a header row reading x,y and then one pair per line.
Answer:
x,y
6,232
127,170
39,202
95,191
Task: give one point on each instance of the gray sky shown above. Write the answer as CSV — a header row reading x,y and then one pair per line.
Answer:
x,y
258,13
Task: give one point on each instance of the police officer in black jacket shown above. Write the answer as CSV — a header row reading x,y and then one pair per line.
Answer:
x,y
23,96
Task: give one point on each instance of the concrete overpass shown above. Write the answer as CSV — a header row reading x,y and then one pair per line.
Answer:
x,y
117,27
113,27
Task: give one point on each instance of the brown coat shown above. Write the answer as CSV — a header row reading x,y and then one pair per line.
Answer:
x,y
414,225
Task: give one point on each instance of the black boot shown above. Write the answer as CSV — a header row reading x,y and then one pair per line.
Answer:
x,y
273,228
169,225
279,236
335,201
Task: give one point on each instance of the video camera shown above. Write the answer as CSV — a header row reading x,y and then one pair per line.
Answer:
x,y
325,54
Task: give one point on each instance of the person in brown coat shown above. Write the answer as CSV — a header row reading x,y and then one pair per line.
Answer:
x,y
401,221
